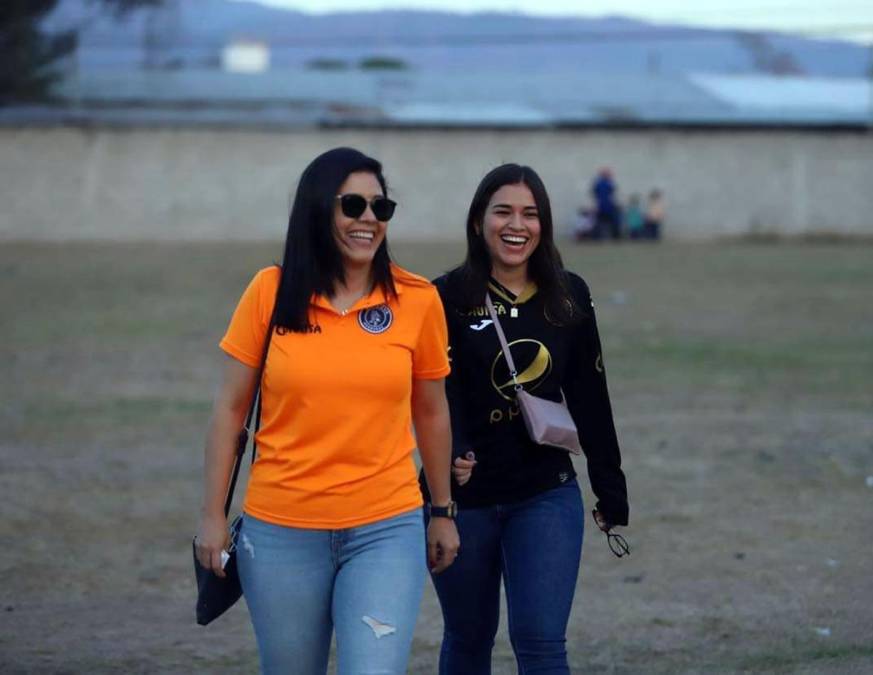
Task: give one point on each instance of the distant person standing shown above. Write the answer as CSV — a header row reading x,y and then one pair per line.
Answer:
x,y
608,213
634,219
584,227
656,210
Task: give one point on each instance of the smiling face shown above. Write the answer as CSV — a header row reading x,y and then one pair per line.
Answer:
x,y
511,227
359,238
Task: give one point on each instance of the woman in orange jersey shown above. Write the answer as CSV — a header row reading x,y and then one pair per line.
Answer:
x,y
332,534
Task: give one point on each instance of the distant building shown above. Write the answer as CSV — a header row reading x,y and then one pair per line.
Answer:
x,y
142,154
247,92
245,56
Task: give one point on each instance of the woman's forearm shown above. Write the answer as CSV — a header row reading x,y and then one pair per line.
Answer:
x,y
435,448
228,414
430,414
219,452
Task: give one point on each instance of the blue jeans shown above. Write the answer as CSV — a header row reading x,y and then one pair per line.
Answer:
x,y
364,582
535,546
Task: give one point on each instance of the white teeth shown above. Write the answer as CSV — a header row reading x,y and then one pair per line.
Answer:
x,y
512,239
366,236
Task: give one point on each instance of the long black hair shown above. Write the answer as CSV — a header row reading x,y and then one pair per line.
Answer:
x,y
545,267
312,262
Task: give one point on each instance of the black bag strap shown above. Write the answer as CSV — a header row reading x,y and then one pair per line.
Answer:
x,y
243,437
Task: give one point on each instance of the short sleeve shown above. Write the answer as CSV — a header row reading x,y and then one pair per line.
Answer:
x,y
430,360
244,339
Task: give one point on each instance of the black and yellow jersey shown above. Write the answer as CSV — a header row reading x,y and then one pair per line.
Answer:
x,y
550,358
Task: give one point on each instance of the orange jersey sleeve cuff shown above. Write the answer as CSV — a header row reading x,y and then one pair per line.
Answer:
x,y
239,354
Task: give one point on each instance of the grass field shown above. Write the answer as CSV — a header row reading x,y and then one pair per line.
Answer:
x,y
741,377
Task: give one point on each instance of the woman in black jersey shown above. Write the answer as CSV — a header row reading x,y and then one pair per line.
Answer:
x,y
520,514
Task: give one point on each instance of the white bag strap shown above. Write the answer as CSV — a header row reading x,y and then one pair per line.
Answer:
x,y
507,354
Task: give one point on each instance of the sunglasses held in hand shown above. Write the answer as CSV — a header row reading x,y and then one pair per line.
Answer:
x,y
617,544
354,205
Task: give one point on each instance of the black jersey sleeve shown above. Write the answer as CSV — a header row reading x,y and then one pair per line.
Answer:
x,y
588,400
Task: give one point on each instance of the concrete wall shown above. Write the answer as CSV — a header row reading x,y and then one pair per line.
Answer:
x,y
70,183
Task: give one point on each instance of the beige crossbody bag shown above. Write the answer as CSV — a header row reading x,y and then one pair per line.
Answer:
x,y
547,422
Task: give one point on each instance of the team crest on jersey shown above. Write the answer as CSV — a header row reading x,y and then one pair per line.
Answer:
x,y
375,319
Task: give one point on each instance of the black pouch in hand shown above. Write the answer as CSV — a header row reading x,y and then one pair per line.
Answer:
x,y
214,594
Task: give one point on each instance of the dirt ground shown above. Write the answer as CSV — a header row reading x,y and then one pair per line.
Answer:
x,y
741,379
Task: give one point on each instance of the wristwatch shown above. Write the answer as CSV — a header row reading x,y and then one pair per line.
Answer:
x,y
449,511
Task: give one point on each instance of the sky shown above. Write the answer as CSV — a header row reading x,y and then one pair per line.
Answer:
x,y
827,18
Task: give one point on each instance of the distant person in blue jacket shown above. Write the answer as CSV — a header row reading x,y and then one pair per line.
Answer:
x,y
608,212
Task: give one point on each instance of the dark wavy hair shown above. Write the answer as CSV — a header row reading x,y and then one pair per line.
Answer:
x,y
312,262
545,267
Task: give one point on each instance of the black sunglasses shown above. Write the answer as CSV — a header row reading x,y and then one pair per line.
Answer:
x,y
617,544
353,206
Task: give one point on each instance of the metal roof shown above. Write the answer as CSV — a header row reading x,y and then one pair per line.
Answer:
x,y
453,99
785,93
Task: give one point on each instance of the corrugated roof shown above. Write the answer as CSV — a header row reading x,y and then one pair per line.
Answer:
x,y
838,96
408,98
471,114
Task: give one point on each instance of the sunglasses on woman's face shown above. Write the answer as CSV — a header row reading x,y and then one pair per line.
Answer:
x,y
353,206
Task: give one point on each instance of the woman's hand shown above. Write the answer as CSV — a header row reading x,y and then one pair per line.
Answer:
x,y
212,538
463,467
443,543
602,523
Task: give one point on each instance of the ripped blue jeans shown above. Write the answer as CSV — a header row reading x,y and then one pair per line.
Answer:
x,y
363,582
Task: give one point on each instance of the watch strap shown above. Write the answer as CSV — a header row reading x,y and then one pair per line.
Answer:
x,y
448,511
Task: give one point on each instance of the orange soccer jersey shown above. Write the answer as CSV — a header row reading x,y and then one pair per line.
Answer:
x,y
335,443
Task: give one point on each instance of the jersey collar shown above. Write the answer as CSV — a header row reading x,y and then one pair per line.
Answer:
x,y
502,292
375,298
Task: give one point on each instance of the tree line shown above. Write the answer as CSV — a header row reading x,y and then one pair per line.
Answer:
x,y
29,55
